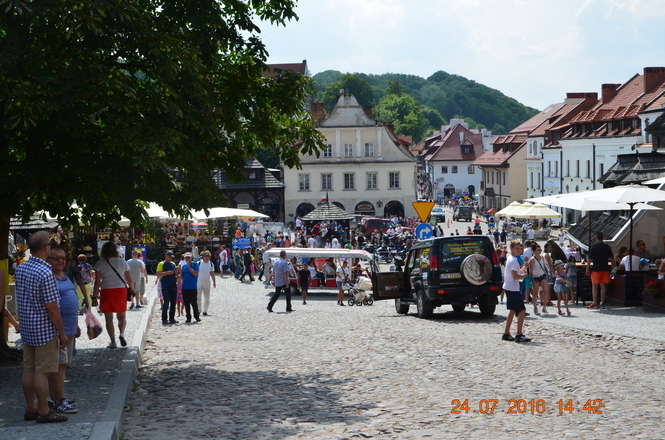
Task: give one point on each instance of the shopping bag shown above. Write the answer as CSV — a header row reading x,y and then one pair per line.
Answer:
x,y
93,324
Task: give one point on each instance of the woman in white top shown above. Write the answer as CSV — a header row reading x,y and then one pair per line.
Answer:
x,y
206,274
537,269
112,277
335,244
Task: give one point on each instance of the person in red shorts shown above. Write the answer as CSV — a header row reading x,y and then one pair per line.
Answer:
x,y
600,254
113,277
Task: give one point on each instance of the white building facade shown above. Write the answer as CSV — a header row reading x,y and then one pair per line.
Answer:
x,y
534,166
364,168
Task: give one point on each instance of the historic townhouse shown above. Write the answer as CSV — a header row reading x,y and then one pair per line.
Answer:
x,y
593,139
504,166
364,168
543,157
449,155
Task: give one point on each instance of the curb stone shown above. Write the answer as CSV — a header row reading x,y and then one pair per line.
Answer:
x,y
109,424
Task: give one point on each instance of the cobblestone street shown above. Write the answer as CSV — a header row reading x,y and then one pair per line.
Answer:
x,y
358,372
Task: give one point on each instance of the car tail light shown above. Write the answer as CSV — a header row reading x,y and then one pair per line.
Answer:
x,y
494,258
441,291
494,288
433,262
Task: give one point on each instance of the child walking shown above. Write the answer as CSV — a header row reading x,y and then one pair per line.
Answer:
x,y
561,286
571,275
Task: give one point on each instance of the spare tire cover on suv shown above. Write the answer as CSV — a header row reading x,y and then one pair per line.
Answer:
x,y
477,269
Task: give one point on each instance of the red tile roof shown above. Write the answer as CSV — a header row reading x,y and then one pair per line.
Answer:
x,y
449,148
658,103
631,98
562,116
536,120
504,148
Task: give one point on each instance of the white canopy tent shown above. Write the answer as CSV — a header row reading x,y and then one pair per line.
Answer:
x,y
319,253
222,212
510,210
596,200
538,211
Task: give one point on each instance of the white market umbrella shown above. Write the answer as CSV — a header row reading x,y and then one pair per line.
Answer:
x,y
540,211
632,195
584,201
509,210
657,181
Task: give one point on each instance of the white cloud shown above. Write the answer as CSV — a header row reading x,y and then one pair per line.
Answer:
x,y
532,50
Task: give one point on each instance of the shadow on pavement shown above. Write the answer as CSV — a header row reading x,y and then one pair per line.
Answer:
x,y
203,401
629,311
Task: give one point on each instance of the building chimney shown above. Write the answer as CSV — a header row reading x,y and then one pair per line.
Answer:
x,y
653,77
608,91
583,95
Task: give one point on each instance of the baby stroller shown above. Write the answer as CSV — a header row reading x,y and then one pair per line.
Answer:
x,y
358,293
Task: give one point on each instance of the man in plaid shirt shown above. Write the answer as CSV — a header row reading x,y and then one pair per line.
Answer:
x,y
41,328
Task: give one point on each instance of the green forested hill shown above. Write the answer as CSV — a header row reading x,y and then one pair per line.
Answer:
x,y
449,95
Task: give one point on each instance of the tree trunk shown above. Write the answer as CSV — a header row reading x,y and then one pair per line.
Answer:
x,y
6,354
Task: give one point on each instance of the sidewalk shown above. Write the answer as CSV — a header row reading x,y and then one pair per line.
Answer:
x,y
617,320
99,380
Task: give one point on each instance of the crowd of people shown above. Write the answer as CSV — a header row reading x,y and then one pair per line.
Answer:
x,y
52,292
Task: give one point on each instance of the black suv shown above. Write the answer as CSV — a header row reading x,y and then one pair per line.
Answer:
x,y
456,270
463,214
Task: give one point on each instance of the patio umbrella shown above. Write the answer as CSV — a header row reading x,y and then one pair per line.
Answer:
x,y
509,210
583,201
632,195
540,211
328,212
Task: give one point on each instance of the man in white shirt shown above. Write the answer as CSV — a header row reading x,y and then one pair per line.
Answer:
x,y
530,233
512,276
630,263
206,273
311,242
139,278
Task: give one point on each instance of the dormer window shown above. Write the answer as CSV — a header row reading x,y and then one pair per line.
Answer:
x,y
467,149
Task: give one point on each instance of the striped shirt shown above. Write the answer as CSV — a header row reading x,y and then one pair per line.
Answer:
x,y
35,287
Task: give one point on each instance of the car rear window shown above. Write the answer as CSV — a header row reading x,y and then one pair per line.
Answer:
x,y
455,250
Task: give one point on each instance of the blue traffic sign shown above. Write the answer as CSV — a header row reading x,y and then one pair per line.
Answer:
x,y
424,231
241,243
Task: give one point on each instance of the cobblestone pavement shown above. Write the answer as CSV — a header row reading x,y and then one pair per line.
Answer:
x,y
364,372
90,380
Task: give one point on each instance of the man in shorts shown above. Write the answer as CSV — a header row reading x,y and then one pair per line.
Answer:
x,y
139,277
513,273
41,326
600,254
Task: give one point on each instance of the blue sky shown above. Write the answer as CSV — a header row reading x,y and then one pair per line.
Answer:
x,y
534,51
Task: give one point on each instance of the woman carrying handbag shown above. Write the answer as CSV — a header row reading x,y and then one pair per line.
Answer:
x,y
114,279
